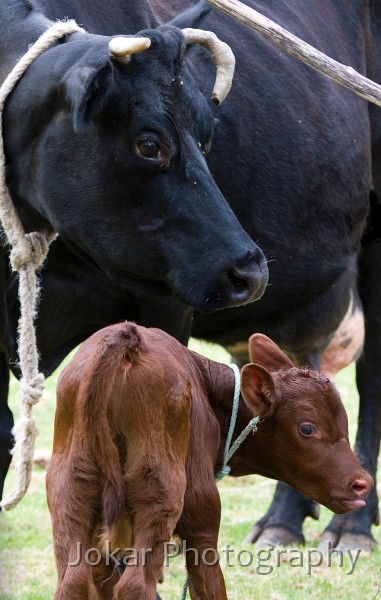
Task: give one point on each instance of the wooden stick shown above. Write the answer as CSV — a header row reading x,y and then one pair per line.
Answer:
x,y
346,76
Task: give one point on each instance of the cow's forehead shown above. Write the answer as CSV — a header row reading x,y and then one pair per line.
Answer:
x,y
166,41
166,98
153,85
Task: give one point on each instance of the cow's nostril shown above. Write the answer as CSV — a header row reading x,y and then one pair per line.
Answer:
x,y
360,486
248,279
237,279
239,282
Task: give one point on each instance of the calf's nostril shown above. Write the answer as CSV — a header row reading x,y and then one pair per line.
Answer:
x,y
360,486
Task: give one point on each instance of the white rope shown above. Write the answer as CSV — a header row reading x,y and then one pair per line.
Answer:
x,y
28,252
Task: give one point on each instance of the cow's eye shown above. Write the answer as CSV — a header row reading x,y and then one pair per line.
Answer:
x,y
147,147
307,429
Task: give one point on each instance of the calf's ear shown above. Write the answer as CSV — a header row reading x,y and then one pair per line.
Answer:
x,y
266,353
258,390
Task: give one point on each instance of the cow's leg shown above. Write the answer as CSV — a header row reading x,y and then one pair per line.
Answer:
x,y
6,423
198,529
354,529
283,522
168,314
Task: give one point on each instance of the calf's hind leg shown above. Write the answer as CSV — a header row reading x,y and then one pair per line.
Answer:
x,y
73,521
153,524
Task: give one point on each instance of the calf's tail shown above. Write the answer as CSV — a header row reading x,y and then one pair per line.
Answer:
x,y
117,351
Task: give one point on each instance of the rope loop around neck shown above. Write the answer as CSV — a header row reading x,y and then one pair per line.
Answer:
x,y
27,254
32,247
230,448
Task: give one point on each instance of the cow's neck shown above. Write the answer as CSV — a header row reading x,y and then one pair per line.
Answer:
x,y
167,9
19,27
106,18
138,16
21,24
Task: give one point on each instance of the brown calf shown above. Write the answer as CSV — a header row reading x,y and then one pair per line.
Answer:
x,y
140,429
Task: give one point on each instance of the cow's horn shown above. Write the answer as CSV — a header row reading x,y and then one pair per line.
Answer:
x,y
121,48
223,58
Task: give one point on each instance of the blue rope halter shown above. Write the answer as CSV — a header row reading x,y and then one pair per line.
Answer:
x,y
229,447
251,426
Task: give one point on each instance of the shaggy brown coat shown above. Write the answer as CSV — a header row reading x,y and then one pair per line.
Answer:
x,y
140,429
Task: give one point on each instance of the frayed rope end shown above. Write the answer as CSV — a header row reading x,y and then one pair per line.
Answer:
x,y
26,433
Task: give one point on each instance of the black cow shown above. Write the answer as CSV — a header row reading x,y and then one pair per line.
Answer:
x,y
302,172
110,154
292,153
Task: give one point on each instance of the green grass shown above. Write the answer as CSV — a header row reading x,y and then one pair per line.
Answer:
x,y
27,570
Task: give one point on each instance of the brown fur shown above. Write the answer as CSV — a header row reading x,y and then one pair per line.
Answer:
x,y
139,433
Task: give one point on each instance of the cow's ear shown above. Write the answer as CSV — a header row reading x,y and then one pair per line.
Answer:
x,y
191,17
265,352
87,90
258,390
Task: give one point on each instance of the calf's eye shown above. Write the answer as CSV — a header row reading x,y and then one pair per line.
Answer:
x,y
307,429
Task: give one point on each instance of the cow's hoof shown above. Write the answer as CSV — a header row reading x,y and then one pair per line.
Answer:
x,y
347,542
287,508
351,532
273,536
